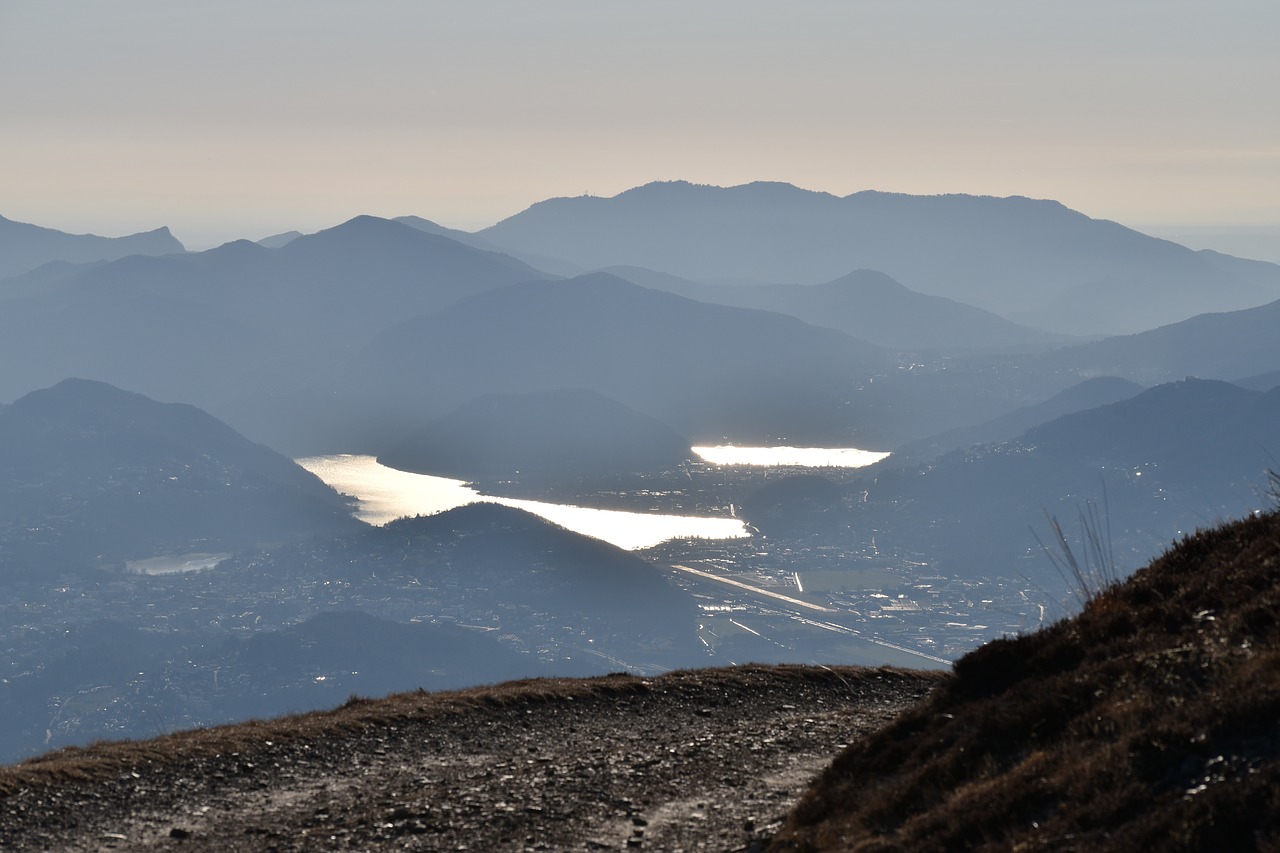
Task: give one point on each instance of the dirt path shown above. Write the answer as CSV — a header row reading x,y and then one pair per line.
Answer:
x,y
703,760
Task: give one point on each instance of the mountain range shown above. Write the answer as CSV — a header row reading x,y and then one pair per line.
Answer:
x,y
24,247
265,339
1035,262
1158,465
237,321
1221,345
867,305
709,371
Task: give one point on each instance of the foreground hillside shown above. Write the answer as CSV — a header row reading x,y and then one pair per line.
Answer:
x,y
706,759
1149,722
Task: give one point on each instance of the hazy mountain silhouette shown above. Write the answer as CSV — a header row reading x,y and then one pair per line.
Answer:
x,y
867,305
1259,272
1035,262
1171,459
550,265
24,247
972,389
538,559
707,370
92,474
562,434
1261,382
1227,346
1087,394
240,321
534,574
275,241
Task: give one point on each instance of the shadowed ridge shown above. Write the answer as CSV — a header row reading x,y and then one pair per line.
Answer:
x,y
96,475
1084,395
1146,722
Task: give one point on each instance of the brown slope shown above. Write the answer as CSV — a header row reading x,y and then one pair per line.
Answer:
x,y
705,759
1149,722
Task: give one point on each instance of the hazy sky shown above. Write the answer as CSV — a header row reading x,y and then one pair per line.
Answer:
x,y
229,118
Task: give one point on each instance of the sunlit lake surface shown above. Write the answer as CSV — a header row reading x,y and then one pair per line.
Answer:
x,y
385,494
803,457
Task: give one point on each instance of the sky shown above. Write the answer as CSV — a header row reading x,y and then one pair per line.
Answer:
x,y
236,119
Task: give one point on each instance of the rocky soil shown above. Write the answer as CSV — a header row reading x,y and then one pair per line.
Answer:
x,y
698,760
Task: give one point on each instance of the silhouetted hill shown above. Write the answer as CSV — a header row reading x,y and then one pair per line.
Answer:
x,y
1261,382
24,247
229,327
1166,461
1148,722
707,370
1032,261
92,474
561,434
533,576
867,305
552,266
541,561
1259,272
1087,394
275,241
1212,346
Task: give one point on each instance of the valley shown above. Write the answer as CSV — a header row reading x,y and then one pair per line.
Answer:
x,y
397,461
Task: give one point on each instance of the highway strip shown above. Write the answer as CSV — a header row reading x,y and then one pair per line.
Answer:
x,y
757,590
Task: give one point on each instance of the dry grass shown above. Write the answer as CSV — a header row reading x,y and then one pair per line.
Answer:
x,y
1149,722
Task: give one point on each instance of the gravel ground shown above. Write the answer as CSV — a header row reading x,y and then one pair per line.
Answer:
x,y
697,760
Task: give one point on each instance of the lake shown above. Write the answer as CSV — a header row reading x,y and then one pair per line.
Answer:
x,y
385,494
800,457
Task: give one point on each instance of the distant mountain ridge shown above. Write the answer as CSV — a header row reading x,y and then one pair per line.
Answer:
x,y
867,305
1165,461
23,246
239,321
91,473
1087,394
1035,262
1226,345
706,370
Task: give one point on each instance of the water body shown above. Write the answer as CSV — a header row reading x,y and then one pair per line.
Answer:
x,y
385,494
800,457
